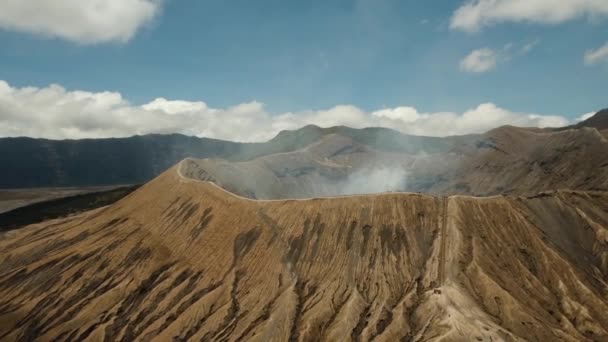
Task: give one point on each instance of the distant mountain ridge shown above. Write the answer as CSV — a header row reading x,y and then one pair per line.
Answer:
x,y
194,255
598,121
29,162
506,160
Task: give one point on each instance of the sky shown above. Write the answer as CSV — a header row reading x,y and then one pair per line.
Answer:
x,y
244,70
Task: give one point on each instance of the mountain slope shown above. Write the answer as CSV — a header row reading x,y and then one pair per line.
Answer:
x,y
61,207
185,260
512,160
39,162
598,121
436,165
506,160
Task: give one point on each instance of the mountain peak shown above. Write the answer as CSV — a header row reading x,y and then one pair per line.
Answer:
x,y
598,121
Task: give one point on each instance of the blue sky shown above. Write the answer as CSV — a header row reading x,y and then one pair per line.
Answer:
x,y
299,56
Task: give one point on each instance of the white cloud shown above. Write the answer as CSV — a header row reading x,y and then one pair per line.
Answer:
x,y
82,21
480,60
585,116
480,119
475,14
56,113
597,56
174,107
529,46
487,59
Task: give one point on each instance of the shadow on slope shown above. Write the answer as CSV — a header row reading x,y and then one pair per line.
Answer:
x,y
62,207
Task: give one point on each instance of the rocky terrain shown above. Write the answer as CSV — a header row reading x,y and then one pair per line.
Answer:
x,y
511,160
183,259
506,160
195,254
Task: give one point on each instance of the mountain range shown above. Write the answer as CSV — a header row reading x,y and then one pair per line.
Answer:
x,y
326,234
29,162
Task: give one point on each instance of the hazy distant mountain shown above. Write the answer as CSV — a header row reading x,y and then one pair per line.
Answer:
x,y
506,160
500,161
28,162
191,255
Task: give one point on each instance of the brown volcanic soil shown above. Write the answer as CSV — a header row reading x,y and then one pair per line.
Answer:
x,y
185,260
512,160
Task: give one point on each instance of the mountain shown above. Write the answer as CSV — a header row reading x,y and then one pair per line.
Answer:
x,y
327,167
31,162
281,241
512,160
482,164
506,160
598,121
40,162
183,259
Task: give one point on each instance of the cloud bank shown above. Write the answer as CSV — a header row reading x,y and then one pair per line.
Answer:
x,y
56,113
476,14
81,21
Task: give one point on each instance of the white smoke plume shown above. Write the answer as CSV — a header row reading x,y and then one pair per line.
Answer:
x,y
374,180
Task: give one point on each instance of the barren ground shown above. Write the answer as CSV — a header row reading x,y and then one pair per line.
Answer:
x,y
182,259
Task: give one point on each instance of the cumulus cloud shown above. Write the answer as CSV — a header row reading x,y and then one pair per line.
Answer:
x,y
476,14
82,21
480,119
56,113
597,56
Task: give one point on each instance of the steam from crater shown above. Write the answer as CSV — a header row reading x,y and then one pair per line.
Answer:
x,y
374,180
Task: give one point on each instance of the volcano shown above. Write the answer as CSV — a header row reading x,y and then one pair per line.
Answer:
x,y
185,259
213,250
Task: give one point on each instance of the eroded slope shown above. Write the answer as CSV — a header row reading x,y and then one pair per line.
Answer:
x,y
507,160
185,260
512,160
